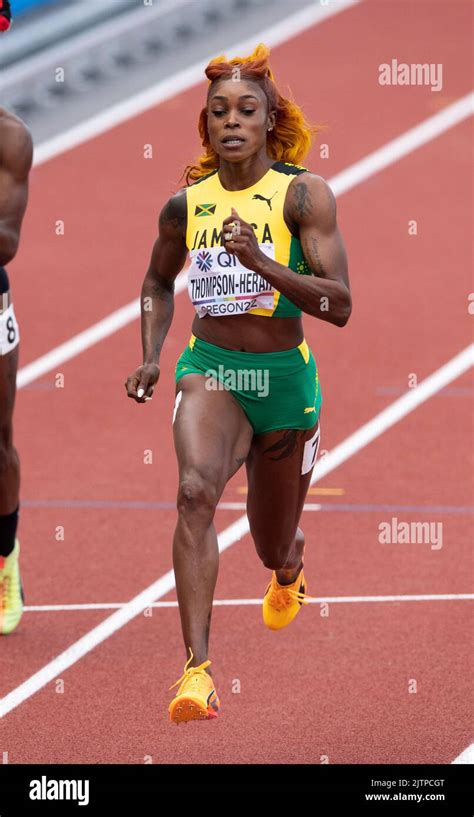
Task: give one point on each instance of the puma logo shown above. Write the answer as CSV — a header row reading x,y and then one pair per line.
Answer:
x,y
262,198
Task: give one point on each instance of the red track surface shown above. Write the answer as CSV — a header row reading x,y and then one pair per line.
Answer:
x,y
336,685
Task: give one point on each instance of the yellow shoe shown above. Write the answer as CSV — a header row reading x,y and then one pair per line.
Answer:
x,y
196,698
11,591
282,602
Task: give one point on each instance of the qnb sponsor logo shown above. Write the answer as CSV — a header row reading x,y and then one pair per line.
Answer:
x,y
254,380
204,260
402,73
411,533
45,789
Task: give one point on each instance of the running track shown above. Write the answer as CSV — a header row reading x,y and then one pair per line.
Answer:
x,y
332,687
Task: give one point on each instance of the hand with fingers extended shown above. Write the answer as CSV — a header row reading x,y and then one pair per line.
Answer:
x,y
141,383
240,239
5,15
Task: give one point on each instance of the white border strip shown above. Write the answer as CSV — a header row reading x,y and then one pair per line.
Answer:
x,y
341,183
60,608
467,756
351,445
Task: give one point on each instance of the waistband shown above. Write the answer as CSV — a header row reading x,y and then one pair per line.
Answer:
x,y
258,357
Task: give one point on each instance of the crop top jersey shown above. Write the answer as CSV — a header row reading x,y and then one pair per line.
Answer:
x,y
218,284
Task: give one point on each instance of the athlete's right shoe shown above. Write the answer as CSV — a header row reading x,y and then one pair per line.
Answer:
x,y
11,591
196,698
282,602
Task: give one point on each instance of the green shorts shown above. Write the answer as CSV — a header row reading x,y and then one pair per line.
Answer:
x,y
275,389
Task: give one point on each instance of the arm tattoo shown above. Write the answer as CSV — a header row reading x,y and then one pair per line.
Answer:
x,y
317,258
303,201
285,446
311,251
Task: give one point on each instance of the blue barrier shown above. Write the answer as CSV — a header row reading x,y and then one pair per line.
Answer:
x,y
20,7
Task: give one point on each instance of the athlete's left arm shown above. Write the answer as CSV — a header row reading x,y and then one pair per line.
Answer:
x,y
325,294
16,151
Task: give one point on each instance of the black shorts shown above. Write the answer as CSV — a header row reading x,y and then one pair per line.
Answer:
x,y
4,282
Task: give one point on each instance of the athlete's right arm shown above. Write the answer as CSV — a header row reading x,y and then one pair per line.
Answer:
x,y
16,153
157,295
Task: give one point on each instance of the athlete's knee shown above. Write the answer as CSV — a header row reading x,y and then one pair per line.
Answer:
x,y
275,559
272,561
275,548
273,551
197,493
299,538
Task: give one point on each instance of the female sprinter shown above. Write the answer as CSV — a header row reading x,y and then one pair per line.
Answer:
x,y
264,246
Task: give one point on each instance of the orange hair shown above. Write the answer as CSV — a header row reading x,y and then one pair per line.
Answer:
x,y
290,139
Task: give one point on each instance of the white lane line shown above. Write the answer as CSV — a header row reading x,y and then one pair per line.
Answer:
x,y
183,80
341,183
465,757
355,508
395,411
84,340
355,442
61,608
403,145
77,344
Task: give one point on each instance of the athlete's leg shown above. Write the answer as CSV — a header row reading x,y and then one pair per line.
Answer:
x,y
276,492
212,439
9,462
11,593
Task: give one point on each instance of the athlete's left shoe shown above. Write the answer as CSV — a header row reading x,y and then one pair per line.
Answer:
x,y
196,698
282,602
11,591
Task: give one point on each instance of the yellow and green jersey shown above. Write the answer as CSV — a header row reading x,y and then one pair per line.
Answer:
x,y
218,283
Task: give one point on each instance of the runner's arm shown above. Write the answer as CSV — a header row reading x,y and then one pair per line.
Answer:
x,y
16,153
167,260
326,293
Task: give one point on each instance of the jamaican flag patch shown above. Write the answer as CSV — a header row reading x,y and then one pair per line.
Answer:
x,y
205,209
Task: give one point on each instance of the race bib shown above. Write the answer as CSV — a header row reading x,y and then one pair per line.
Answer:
x,y
9,331
218,284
